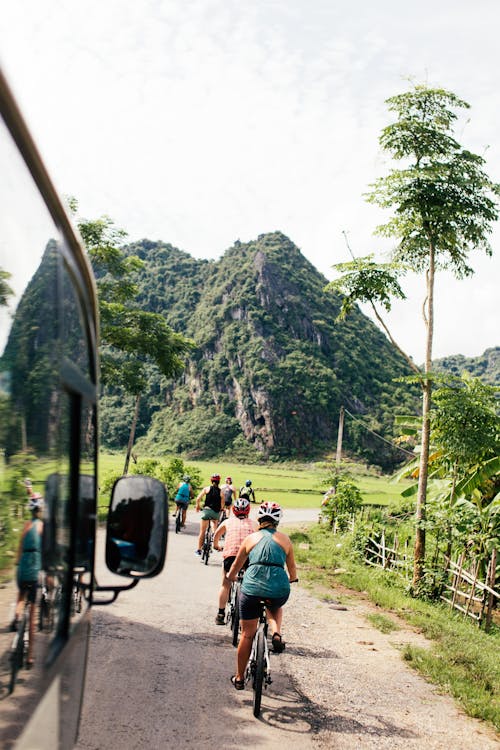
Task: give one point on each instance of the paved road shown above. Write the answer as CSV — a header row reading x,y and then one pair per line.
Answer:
x,y
159,668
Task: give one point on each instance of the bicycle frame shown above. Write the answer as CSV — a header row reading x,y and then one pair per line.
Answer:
x,y
258,668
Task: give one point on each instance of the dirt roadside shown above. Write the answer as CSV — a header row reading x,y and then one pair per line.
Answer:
x,y
360,691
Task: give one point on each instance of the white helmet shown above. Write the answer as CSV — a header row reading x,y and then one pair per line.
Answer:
x,y
270,510
35,501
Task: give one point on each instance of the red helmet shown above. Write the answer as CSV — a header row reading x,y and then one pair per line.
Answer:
x,y
241,508
229,480
215,478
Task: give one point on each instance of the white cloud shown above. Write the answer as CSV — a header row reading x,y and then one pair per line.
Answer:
x,y
202,122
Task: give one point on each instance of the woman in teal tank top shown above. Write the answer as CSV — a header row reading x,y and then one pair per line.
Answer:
x,y
268,551
29,559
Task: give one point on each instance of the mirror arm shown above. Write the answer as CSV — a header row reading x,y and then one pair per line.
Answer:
x,y
116,591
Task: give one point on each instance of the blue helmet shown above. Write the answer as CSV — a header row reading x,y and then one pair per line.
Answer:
x,y
248,483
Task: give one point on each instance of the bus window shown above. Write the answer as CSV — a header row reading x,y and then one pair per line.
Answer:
x,y
47,449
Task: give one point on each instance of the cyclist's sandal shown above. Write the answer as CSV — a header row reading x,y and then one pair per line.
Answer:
x,y
278,643
238,684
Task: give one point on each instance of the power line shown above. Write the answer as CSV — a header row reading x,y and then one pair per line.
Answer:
x,y
389,442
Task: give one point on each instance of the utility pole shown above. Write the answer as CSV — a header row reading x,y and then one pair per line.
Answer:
x,y
339,437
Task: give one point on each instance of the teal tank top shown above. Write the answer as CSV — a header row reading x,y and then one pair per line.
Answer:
x,y
31,555
265,575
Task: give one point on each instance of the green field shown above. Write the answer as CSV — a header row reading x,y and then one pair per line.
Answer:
x,y
292,485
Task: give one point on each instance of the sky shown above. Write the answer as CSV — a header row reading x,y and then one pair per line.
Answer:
x,y
200,122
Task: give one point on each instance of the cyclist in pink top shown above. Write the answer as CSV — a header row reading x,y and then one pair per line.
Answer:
x,y
235,528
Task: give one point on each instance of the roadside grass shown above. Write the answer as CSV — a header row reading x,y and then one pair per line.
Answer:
x,y
382,623
462,660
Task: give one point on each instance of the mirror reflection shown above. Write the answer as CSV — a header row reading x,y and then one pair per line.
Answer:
x,y
137,525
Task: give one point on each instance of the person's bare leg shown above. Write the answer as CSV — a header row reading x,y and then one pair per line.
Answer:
x,y
224,590
275,619
31,642
203,528
184,514
248,630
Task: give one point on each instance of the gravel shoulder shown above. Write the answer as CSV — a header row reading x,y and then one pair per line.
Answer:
x,y
360,691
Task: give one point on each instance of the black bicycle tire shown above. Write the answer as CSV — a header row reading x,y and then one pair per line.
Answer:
x,y
258,678
178,521
235,625
206,546
17,656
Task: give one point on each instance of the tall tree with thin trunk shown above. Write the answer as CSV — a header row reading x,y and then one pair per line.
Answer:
x,y
444,206
131,338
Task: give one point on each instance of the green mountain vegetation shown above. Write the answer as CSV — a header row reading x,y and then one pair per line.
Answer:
x,y
486,366
272,366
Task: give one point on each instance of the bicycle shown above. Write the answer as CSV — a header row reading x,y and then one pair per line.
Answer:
x,y
19,648
233,608
207,544
258,667
178,519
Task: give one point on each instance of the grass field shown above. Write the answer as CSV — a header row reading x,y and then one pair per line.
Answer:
x,y
291,484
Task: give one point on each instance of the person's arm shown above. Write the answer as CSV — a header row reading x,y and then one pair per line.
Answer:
x,y
191,492
290,564
20,545
199,498
221,530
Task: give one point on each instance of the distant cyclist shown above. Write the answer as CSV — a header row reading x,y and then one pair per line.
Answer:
x,y
184,494
236,528
29,561
229,493
247,491
212,504
267,550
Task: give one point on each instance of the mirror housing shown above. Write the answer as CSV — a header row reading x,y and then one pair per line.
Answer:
x,y
137,527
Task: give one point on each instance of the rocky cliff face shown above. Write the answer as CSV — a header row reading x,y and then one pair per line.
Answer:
x,y
272,365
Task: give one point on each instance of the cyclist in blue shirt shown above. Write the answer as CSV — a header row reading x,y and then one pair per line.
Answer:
x,y
183,496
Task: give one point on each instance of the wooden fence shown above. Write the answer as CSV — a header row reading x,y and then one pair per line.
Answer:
x,y
467,585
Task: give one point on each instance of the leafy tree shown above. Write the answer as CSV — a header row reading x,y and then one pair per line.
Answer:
x,y
344,499
131,337
444,207
5,290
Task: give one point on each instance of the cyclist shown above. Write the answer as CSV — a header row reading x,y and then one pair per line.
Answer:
x,y
29,562
247,491
267,550
183,496
229,494
211,507
236,528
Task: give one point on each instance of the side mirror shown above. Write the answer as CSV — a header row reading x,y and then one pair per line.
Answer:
x,y
136,534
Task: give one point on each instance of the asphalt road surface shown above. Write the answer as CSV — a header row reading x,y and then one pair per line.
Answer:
x,y
159,669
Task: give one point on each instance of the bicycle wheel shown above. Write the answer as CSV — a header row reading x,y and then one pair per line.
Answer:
x,y
235,614
207,545
258,677
178,520
43,612
205,550
17,654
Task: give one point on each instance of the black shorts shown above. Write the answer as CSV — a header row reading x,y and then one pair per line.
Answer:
x,y
228,561
250,605
29,588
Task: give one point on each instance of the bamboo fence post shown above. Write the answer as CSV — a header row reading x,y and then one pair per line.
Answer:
x,y
457,575
473,588
490,580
